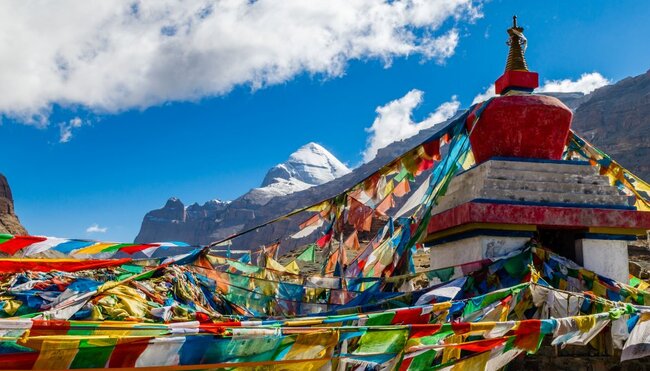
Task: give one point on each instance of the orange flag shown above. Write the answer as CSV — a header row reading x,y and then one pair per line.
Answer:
x,y
385,205
352,241
312,220
271,249
402,188
359,215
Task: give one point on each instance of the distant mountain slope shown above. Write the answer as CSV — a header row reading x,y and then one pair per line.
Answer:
x,y
9,222
615,118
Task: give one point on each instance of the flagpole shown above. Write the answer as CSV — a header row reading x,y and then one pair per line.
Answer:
x,y
341,262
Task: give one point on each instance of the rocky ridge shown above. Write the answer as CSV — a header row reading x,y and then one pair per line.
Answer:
x,y
9,222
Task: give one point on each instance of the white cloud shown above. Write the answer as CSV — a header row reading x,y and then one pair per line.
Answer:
x,y
394,121
110,56
587,83
487,94
65,129
95,228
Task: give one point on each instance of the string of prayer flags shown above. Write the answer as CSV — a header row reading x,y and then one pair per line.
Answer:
x,y
618,175
40,246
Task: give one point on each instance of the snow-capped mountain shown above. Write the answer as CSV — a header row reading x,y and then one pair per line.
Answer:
x,y
309,166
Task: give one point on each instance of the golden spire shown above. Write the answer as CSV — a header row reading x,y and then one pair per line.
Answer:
x,y
517,43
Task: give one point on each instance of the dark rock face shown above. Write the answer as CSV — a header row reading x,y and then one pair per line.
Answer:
x,y
175,222
9,222
616,118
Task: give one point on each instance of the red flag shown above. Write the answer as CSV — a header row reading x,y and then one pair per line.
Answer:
x,y
425,165
431,150
135,248
410,316
17,243
423,330
323,241
482,345
64,265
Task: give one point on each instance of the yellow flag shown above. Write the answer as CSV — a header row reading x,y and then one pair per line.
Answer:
x,y
477,362
292,267
273,264
56,354
95,249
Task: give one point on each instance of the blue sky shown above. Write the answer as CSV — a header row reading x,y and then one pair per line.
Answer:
x,y
217,139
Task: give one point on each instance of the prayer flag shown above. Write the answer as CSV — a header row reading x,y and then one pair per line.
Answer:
x,y
352,241
308,255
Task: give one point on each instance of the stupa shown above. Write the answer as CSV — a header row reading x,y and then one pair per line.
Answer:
x,y
522,188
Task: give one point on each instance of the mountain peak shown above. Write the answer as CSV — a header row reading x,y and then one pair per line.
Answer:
x,y
311,164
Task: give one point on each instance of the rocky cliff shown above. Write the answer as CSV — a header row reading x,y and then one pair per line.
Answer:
x,y
9,222
616,118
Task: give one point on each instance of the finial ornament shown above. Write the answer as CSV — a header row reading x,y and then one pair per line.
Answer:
x,y
517,42
516,77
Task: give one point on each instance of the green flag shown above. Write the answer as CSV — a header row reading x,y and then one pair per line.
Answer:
x,y
309,255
